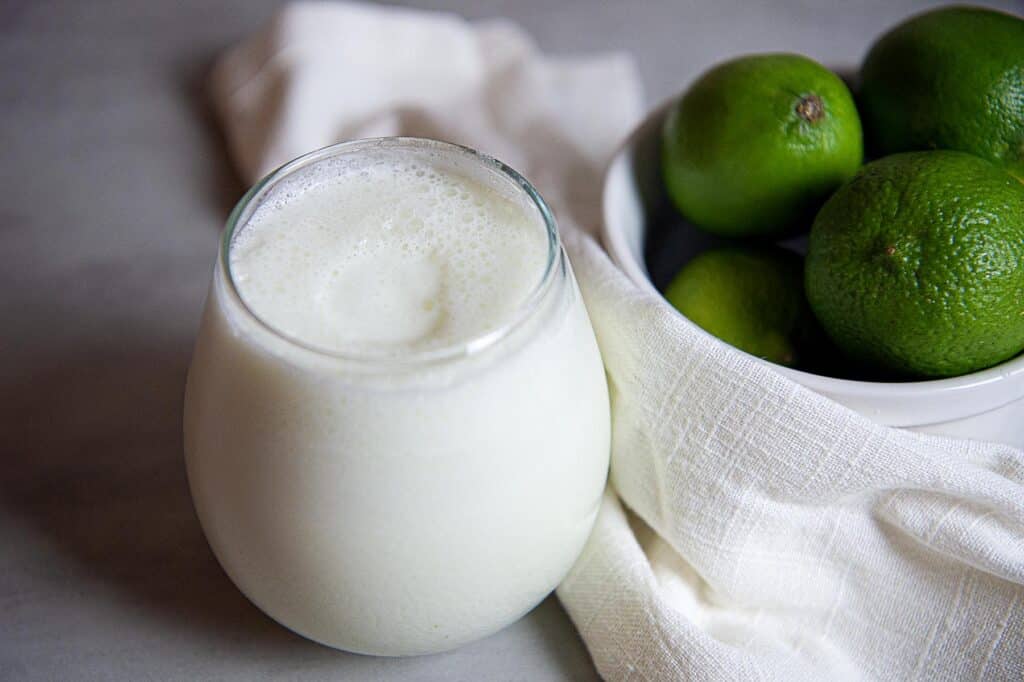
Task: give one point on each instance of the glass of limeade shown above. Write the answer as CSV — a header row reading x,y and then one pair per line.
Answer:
x,y
396,418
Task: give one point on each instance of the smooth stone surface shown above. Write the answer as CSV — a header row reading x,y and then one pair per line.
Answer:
x,y
114,186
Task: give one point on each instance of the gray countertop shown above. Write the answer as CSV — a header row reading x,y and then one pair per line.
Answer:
x,y
114,186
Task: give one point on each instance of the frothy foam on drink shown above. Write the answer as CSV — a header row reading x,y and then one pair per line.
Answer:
x,y
384,253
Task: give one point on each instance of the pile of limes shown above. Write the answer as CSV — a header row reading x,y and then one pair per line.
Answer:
x,y
915,261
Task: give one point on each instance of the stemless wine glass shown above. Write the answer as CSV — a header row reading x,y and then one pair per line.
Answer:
x,y
398,504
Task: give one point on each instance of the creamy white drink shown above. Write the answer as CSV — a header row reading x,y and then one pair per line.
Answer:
x,y
396,420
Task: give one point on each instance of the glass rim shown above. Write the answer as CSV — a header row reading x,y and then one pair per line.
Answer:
x,y
252,199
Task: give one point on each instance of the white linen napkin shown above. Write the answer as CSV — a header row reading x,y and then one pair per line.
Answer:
x,y
774,534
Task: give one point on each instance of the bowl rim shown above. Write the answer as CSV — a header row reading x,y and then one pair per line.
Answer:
x,y
854,393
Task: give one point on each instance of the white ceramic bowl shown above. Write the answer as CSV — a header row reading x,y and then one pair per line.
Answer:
x,y
987,405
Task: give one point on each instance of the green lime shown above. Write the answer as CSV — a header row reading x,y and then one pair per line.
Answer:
x,y
758,143
750,298
952,78
917,264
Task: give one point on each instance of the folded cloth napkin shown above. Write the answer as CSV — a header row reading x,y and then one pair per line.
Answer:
x,y
771,533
